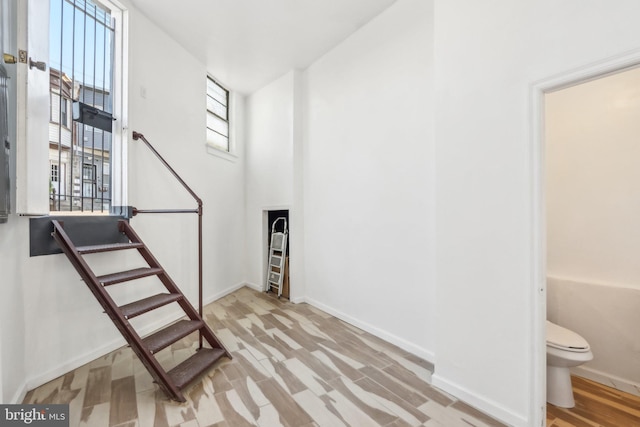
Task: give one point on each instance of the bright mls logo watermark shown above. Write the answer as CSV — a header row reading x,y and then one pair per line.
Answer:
x,y
34,415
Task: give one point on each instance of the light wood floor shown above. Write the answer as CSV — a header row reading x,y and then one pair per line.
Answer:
x,y
293,366
596,406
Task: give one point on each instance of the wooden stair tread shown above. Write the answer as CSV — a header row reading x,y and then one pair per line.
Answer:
x,y
137,308
123,276
194,366
107,248
171,334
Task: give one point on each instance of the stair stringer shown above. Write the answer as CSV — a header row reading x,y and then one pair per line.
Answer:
x,y
135,341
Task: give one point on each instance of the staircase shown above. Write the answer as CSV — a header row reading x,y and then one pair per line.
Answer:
x,y
173,381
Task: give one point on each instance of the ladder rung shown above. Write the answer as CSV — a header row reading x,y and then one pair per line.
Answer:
x,y
194,366
274,277
137,308
107,248
124,276
171,334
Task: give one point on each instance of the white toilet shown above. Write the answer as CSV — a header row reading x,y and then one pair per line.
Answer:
x,y
565,349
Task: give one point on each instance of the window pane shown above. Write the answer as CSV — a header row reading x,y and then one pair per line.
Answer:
x,y
217,124
217,108
55,108
217,140
88,172
217,115
63,113
216,91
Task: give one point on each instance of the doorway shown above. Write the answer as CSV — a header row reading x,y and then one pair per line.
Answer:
x,y
547,300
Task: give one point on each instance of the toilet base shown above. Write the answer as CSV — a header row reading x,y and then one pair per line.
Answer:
x,y
559,391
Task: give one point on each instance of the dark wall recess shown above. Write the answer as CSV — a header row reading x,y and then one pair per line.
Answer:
x,y
271,217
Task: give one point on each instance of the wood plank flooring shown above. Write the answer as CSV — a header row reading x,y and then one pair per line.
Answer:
x,y
293,366
596,406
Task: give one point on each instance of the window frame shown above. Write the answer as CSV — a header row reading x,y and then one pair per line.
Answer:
x,y
64,113
227,153
119,135
64,110
55,172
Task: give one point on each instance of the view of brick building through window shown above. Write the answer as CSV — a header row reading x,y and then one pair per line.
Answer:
x,y
81,57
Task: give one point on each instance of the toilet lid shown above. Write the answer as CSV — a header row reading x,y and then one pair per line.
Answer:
x,y
564,339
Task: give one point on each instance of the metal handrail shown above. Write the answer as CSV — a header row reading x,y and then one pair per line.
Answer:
x,y
138,136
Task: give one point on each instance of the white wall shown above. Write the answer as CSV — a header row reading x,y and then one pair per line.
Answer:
x,y
172,116
593,236
12,320
63,325
269,165
487,57
593,180
368,167
12,247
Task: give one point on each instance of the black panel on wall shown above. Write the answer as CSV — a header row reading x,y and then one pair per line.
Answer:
x,y
83,231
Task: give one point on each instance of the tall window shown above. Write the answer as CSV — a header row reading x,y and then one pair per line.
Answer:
x,y
217,115
85,57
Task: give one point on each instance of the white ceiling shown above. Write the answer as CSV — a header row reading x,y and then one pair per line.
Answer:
x,y
246,44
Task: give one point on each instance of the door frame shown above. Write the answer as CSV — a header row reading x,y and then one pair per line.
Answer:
x,y
538,91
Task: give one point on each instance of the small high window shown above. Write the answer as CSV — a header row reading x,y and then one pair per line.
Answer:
x,y
217,115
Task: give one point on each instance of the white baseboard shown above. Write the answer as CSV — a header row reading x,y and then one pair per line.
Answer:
x,y
253,286
43,378
260,288
607,379
380,333
98,352
298,300
224,293
20,394
479,402
115,344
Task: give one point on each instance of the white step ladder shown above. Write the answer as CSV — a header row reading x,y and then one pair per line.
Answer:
x,y
277,256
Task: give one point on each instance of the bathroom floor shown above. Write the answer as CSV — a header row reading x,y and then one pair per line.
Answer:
x,y
596,406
